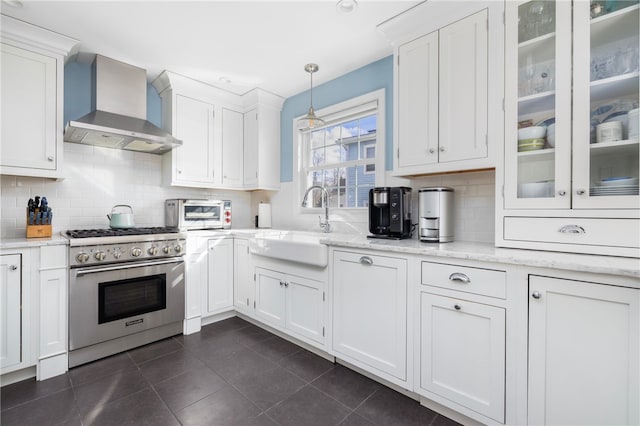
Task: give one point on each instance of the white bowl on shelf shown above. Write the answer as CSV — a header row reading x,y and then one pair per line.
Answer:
x,y
551,135
542,189
532,132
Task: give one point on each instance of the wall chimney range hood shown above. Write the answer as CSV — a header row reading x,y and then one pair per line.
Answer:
x,y
119,112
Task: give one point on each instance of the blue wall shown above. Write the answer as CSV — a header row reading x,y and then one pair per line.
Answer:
x,y
78,79
374,76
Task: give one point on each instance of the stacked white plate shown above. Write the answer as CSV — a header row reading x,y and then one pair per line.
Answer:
x,y
616,186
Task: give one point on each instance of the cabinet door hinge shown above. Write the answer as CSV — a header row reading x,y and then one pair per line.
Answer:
x,y
398,59
504,18
254,304
502,191
322,331
503,104
398,153
323,296
486,139
247,301
487,24
254,277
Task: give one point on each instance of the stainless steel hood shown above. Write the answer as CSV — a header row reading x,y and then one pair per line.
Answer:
x,y
119,111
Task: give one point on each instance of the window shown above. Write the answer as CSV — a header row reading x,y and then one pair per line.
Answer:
x,y
343,155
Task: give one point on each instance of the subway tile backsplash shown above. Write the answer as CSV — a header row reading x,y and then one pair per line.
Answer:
x,y
96,180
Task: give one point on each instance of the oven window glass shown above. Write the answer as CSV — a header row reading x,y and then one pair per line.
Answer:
x,y
131,297
202,212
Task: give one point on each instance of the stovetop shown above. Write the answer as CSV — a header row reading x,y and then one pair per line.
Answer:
x,y
111,232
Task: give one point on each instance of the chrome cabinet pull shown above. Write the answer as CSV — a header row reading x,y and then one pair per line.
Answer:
x,y
286,284
457,307
13,267
460,277
281,283
432,151
580,191
562,193
366,260
50,158
442,149
536,295
572,229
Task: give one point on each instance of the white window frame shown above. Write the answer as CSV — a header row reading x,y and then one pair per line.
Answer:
x,y
338,112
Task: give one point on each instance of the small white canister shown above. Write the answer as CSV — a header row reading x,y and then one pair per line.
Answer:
x,y
634,123
609,132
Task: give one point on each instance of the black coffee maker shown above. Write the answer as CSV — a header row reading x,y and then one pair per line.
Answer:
x,y
390,212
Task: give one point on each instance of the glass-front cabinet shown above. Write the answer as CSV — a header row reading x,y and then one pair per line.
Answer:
x,y
570,169
571,113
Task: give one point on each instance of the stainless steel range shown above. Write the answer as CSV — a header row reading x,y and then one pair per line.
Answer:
x,y
126,289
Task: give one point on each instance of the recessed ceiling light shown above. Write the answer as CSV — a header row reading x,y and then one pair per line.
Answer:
x,y
17,4
346,6
225,80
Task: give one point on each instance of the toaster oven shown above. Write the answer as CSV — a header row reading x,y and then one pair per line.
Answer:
x,y
189,214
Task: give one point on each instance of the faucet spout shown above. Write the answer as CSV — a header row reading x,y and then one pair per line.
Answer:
x,y
325,225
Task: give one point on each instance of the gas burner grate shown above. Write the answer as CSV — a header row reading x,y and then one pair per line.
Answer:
x,y
90,233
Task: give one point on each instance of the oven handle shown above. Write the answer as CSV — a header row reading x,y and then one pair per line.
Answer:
x,y
120,267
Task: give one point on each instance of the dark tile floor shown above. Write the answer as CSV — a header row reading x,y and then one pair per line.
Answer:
x,y
231,373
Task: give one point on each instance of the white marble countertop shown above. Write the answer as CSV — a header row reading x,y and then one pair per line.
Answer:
x,y
19,243
489,253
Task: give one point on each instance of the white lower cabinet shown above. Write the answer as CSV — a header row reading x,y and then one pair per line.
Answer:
x,y
462,346
33,312
461,339
291,302
10,310
243,288
217,294
370,313
584,365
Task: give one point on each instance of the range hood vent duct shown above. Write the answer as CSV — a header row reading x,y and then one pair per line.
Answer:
x,y
119,112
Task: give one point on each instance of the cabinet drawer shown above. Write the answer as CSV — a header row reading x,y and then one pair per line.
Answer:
x,y
486,282
581,231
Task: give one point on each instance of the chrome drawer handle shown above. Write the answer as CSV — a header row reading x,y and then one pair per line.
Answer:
x,y
457,276
572,229
536,295
366,260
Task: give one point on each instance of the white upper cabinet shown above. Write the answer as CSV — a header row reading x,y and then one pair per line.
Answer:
x,y
221,146
572,76
262,140
194,124
232,148
31,68
448,86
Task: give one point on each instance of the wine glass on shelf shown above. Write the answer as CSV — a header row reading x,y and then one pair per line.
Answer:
x,y
529,73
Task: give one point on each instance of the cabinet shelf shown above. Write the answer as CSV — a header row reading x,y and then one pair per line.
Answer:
x,y
536,41
543,101
540,154
612,26
613,87
623,148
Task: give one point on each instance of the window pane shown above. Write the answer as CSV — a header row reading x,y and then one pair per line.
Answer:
x,y
335,154
316,157
317,138
367,125
363,196
352,151
368,149
333,196
314,178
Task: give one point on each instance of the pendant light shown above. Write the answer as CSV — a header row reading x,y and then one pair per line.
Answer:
x,y
310,120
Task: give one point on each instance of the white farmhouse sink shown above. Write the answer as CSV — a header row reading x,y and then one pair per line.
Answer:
x,y
298,247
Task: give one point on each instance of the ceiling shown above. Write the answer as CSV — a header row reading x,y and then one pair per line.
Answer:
x,y
251,43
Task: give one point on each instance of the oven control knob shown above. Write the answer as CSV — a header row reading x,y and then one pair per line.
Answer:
x,y
153,251
136,252
100,255
166,249
178,248
82,257
116,253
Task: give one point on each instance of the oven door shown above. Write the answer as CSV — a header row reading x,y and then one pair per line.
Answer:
x,y
201,215
106,302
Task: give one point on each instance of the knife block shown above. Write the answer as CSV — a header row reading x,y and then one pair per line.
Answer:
x,y
38,231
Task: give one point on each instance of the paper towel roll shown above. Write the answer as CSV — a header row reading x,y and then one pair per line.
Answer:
x,y
264,215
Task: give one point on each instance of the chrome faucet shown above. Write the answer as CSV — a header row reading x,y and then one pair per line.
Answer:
x,y
325,225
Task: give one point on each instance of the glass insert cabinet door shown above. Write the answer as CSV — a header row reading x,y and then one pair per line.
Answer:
x,y
538,104
571,113
605,111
